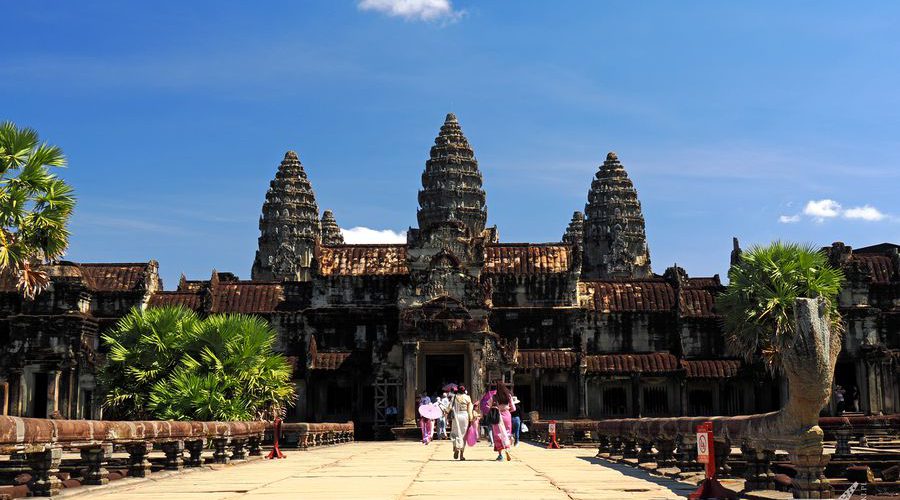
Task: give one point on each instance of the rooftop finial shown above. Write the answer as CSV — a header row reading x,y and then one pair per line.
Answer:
x,y
612,156
291,155
451,118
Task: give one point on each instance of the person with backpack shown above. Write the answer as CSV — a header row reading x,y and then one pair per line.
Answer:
x,y
500,419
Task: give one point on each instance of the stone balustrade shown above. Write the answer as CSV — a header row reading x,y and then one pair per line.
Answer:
x,y
308,435
36,446
671,442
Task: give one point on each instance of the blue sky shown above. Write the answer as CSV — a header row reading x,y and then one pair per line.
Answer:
x,y
765,120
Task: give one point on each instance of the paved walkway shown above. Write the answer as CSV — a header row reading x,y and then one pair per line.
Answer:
x,y
407,470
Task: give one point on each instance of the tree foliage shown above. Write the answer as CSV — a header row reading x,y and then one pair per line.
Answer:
x,y
35,206
758,305
166,363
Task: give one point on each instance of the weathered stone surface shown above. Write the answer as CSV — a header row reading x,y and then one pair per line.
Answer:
x,y
331,232
615,242
289,226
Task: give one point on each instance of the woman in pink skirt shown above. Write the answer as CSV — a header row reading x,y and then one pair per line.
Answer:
x,y
501,431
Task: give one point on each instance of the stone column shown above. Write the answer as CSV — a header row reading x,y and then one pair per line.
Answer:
x,y
220,455
664,453
53,392
254,445
138,464
758,475
629,446
723,451
645,455
174,451
94,472
581,380
842,448
686,457
410,381
238,451
810,481
476,369
44,466
195,452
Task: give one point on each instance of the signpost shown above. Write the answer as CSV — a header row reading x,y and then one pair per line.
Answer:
x,y
276,433
551,433
710,488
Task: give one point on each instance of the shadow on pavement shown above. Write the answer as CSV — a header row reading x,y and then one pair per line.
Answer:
x,y
676,487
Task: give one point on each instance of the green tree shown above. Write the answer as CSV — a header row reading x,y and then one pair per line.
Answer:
x,y
758,304
35,206
223,367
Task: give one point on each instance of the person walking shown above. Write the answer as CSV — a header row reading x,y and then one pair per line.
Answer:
x,y
516,413
502,403
425,423
444,404
461,408
484,406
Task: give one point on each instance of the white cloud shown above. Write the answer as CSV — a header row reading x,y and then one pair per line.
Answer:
x,y
363,235
822,209
789,219
413,10
866,212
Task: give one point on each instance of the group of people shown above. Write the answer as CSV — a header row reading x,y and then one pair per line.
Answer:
x,y
496,415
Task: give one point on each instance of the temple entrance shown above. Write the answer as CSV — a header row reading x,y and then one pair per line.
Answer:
x,y
442,369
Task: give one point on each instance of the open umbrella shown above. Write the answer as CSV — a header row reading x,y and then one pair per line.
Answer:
x,y
430,411
450,387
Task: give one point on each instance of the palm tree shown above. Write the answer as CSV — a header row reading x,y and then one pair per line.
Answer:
x,y
167,363
35,206
145,347
758,305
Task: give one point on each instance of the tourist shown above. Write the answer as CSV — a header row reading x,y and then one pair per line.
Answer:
x,y
425,423
515,411
484,406
461,407
444,404
390,415
502,403
839,398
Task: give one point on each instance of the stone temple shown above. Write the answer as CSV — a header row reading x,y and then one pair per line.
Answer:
x,y
582,327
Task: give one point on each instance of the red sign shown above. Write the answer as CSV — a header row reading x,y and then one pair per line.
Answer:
x,y
551,435
702,447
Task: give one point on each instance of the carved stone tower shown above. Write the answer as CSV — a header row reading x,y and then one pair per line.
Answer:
x,y
331,232
451,192
289,226
574,234
615,241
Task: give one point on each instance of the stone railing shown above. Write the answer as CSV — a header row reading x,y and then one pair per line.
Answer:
x,y
36,445
307,435
861,427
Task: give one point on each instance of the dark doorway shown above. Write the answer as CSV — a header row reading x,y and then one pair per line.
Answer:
x,y
442,369
41,382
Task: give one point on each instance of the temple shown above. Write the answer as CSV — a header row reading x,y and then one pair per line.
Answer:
x,y
581,327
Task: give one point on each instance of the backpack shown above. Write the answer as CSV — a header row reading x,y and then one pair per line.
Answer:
x,y
493,416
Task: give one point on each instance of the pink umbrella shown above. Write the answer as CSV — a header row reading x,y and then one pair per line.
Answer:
x,y
450,387
431,411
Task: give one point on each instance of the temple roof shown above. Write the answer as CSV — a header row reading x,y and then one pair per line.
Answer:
x,y
608,296
527,258
627,364
331,232
246,297
880,267
97,277
658,362
363,260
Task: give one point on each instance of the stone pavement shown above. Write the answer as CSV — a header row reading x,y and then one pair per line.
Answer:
x,y
406,470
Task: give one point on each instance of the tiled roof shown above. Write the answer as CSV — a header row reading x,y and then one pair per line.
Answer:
x,y
115,277
189,300
246,297
527,259
713,368
659,362
697,303
551,359
880,267
358,260
231,297
330,360
627,296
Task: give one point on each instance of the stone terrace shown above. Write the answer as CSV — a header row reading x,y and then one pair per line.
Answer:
x,y
399,469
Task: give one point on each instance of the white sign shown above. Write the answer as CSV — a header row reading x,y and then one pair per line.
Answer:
x,y
551,428
702,447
